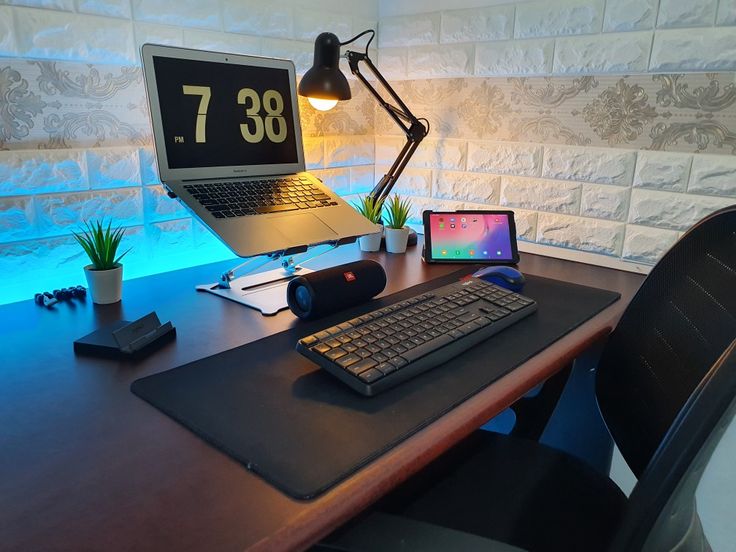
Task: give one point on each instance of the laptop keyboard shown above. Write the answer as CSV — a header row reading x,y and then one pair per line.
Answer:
x,y
257,197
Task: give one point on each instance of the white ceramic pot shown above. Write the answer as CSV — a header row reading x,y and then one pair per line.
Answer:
x,y
105,286
396,239
371,242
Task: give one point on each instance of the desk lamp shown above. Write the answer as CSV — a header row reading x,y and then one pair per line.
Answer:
x,y
324,85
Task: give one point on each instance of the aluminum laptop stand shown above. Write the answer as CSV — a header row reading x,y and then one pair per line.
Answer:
x,y
264,291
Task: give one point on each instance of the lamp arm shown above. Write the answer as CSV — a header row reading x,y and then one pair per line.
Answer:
x,y
413,128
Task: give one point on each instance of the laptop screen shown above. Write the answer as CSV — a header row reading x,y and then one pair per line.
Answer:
x,y
223,114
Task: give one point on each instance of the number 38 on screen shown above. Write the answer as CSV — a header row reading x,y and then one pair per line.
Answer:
x,y
272,126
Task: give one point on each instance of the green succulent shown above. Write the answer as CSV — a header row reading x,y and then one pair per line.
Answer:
x,y
101,244
370,208
397,212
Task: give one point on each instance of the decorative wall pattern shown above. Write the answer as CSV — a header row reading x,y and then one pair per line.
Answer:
x,y
666,112
53,105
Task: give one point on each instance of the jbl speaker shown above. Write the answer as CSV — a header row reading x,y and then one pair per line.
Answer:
x,y
326,291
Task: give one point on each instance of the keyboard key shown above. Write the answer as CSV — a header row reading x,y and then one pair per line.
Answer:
x,y
309,340
470,327
322,348
426,348
369,376
347,360
468,317
399,362
386,368
334,354
380,357
363,365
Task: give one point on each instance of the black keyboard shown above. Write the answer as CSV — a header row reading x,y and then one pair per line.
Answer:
x,y
257,197
376,351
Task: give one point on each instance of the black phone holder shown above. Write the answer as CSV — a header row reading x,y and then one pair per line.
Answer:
x,y
127,339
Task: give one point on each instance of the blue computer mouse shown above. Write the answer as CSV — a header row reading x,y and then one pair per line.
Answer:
x,y
504,276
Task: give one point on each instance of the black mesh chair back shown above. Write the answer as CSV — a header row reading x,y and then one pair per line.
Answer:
x,y
662,512
678,324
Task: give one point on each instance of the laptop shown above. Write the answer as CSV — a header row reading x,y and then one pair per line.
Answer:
x,y
229,147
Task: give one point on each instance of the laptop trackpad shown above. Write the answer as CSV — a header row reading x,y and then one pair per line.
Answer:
x,y
303,229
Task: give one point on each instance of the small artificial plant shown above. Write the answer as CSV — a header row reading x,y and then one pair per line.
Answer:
x,y
101,244
397,212
370,208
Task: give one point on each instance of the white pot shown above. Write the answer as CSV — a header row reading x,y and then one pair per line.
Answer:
x,y
371,242
105,286
396,239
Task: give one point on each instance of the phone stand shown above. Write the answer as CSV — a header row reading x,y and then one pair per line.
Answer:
x,y
263,291
127,339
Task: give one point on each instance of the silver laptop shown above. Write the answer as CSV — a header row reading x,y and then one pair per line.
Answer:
x,y
229,146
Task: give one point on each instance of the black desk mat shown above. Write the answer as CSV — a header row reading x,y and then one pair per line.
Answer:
x,y
303,431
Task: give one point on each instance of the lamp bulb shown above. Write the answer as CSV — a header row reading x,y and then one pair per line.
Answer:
x,y
322,104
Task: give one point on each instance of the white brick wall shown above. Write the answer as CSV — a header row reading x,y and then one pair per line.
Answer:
x,y
603,166
621,203
409,31
505,158
448,60
685,13
630,15
514,57
685,50
585,234
176,12
493,23
647,245
540,195
714,174
584,36
561,17
662,171
614,53
726,12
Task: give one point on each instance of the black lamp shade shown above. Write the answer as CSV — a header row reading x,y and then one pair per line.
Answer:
x,y
325,80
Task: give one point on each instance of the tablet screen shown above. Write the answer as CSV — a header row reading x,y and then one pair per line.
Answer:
x,y
469,236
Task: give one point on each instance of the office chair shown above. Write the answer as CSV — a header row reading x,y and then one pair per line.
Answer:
x,y
665,385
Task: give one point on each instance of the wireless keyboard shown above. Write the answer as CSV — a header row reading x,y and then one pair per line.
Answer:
x,y
376,351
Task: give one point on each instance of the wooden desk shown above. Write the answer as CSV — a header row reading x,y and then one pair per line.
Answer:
x,y
86,465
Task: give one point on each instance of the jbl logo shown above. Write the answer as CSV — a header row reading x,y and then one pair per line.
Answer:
x,y
349,276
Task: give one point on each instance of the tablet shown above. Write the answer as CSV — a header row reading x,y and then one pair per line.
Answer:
x,y
484,237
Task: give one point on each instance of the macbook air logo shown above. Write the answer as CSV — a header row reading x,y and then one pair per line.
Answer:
x,y
240,170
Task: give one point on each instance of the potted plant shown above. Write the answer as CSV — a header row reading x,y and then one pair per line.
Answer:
x,y
371,209
105,274
397,233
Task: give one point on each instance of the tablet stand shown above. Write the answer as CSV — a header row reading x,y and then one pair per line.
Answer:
x,y
263,291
